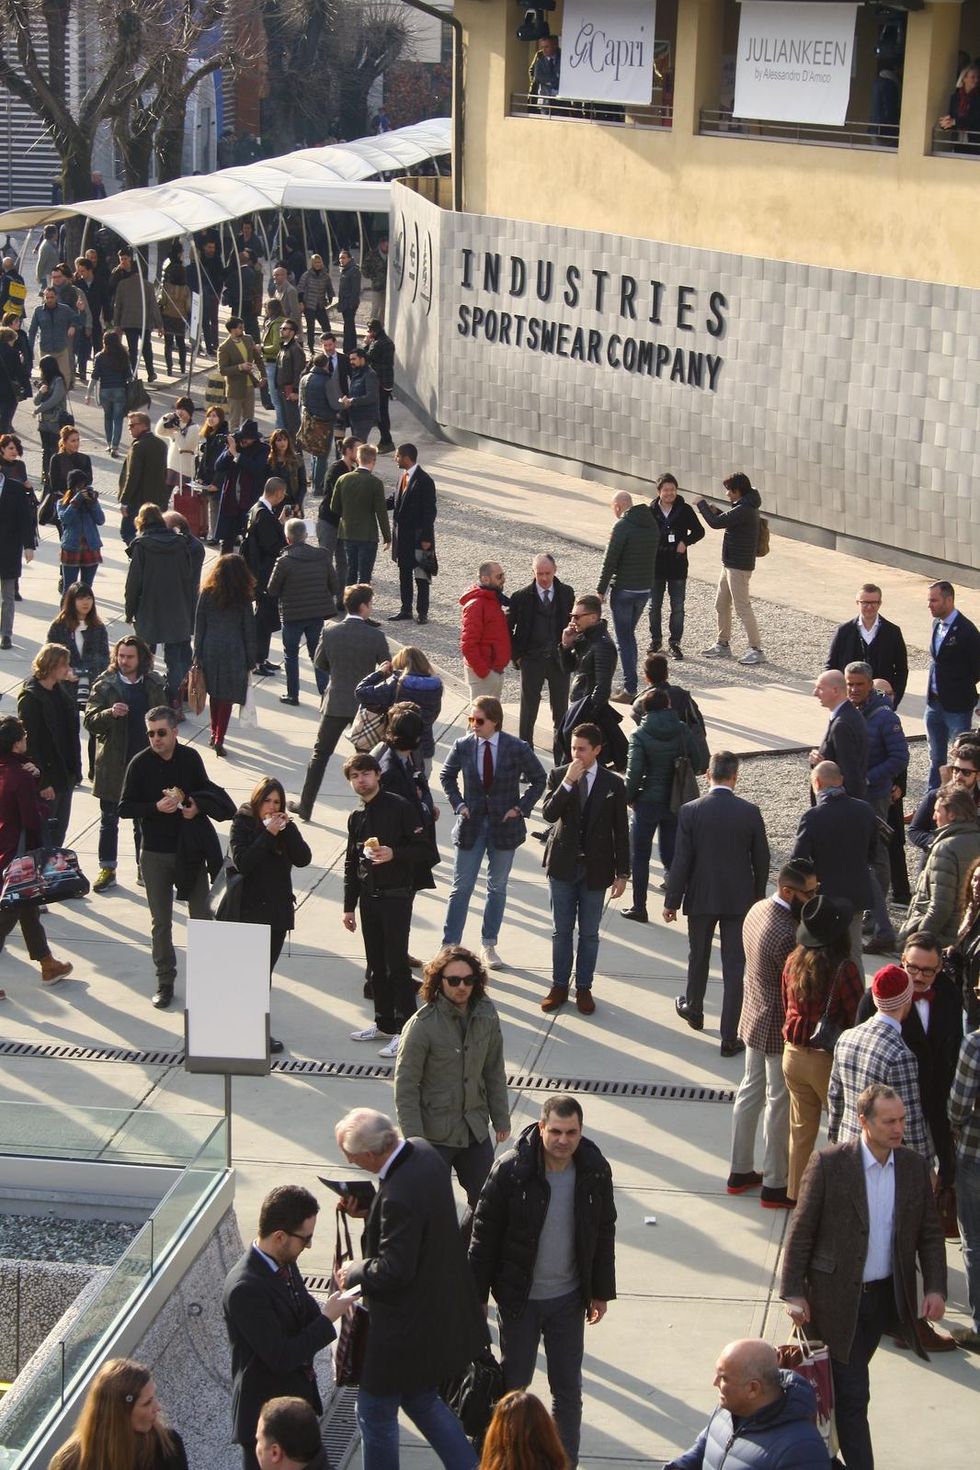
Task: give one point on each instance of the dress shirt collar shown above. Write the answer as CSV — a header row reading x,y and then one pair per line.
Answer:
x,y
491,740
720,787
272,1265
891,1021
781,902
869,634
870,1162
385,1169
837,708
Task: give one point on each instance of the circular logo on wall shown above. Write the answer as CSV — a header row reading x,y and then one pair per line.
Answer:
x,y
425,274
413,261
398,260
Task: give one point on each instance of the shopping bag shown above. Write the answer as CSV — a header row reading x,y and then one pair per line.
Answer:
x,y
225,898
351,1345
811,1359
248,710
197,690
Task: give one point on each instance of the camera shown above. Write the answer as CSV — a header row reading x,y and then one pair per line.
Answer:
x,y
534,27
171,421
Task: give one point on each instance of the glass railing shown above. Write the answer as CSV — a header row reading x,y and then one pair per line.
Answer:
x,y
563,109
193,1146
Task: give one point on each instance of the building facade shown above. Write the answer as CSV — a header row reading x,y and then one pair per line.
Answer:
x,y
670,283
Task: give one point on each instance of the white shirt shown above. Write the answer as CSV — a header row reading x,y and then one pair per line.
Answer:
x,y
879,1182
869,634
546,594
923,1007
385,1169
589,777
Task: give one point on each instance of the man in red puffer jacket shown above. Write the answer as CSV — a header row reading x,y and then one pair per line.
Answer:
x,y
484,638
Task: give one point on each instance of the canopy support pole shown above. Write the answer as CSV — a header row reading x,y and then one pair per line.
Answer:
x,y
140,271
268,252
200,311
238,263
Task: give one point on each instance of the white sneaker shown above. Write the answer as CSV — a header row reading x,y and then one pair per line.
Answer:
x,y
490,959
391,1050
717,650
370,1033
754,656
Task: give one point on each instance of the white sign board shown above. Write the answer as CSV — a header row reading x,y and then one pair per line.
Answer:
x,y
794,62
607,50
227,996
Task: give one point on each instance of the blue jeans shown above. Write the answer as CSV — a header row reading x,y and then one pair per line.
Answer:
x,y
292,636
113,401
274,394
941,726
676,589
360,560
646,819
968,1213
571,904
377,1419
627,609
466,868
177,658
109,835
561,1322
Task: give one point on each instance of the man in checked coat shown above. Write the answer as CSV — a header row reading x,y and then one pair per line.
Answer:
x,y
875,1052
768,938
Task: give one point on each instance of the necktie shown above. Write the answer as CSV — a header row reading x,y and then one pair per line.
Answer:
x,y
403,483
487,766
547,598
926,995
583,791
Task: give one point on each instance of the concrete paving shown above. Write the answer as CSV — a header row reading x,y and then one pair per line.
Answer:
x,y
707,1270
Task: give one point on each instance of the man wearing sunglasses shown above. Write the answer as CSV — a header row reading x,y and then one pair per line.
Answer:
x,y
491,817
963,772
155,792
275,1326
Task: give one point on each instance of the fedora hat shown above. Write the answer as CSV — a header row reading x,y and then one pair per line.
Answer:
x,y
823,920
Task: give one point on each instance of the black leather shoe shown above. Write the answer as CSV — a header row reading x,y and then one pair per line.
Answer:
x,y
675,649
421,620
287,699
268,668
297,810
732,1048
163,997
639,916
275,1045
695,1019
400,617
741,1183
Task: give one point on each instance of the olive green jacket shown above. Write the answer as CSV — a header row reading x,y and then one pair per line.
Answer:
x,y
111,733
447,1083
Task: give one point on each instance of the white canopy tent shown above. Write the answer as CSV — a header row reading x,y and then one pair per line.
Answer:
x,y
338,177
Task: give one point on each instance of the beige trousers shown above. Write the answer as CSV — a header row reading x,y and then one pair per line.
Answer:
x,y
492,684
733,590
807,1074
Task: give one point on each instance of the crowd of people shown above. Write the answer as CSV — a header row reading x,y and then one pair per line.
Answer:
x,y
896,1070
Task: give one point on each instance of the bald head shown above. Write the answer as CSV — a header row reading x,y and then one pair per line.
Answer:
x,y
747,1376
826,774
830,689
621,503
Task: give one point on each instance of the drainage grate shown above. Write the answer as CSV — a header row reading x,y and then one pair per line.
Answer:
x,y
338,1428
380,1072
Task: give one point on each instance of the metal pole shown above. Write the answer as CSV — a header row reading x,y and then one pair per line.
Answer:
x,y
200,314
142,342
326,225
458,118
228,1120
306,247
85,229
24,252
268,248
238,263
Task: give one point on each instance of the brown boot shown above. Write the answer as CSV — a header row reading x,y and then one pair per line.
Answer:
x,y
557,996
53,971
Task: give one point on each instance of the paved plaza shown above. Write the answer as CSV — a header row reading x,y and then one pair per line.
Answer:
x,y
695,1267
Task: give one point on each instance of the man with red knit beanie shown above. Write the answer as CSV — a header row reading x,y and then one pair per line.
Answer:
x,y
875,1052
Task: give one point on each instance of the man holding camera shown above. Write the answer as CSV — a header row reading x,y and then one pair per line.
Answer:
x,y
242,366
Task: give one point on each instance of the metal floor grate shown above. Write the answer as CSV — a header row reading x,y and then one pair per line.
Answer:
x,y
338,1428
379,1072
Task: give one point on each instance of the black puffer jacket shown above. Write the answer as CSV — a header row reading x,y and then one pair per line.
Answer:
x,y
741,527
592,660
510,1216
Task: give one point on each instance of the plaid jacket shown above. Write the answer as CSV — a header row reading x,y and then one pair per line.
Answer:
x,y
769,937
964,1099
875,1052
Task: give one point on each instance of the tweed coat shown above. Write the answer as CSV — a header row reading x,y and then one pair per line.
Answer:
x,y
827,1244
348,652
875,1052
768,938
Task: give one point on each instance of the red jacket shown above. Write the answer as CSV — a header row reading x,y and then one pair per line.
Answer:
x,y
19,808
485,638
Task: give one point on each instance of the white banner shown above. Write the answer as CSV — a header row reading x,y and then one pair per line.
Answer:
x,y
794,62
607,50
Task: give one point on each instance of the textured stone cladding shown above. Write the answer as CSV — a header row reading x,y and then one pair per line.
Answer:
x,y
34,1295
853,401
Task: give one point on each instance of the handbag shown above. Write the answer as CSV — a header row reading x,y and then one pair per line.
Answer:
x,y
350,1348
473,1396
137,397
225,898
811,1359
197,689
46,875
47,511
369,726
684,787
826,1032
427,561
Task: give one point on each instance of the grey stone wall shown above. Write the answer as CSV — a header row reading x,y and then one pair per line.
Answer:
x,y
34,1295
851,400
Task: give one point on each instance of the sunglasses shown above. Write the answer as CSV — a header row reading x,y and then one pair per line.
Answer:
x,y
963,770
159,734
476,720
455,980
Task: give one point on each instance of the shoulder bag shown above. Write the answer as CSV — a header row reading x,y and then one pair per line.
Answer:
x,y
826,1032
350,1349
685,786
137,397
46,875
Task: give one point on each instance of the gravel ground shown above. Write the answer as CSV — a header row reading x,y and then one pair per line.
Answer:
x,y
49,1238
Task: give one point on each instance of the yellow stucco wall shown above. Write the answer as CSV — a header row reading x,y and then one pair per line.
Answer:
x,y
901,213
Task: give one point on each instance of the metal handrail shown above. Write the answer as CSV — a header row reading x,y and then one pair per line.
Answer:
x,y
612,114
721,123
955,142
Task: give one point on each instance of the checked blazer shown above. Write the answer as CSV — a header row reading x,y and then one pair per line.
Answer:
x,y
515,760
768,938
875,1052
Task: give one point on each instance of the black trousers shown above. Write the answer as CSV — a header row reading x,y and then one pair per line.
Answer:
x,y
266,623
896,853
537,670
350,330
329,732
700,933
317,314
27,916
132,335
385,925
384,414
410,590
877,1314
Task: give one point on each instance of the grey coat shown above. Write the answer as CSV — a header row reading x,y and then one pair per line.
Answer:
x,y
225,647
304,581
160,586
348,652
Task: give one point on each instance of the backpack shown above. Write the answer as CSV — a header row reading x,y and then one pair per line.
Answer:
x,y
762,541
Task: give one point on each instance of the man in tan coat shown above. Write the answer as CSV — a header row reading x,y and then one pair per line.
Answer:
x,y
242,366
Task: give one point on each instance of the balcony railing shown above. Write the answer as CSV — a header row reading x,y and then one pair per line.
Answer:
x,y
720,123
953,142
526,104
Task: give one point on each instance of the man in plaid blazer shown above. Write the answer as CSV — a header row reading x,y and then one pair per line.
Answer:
x,y
875,1052
491,817
768,938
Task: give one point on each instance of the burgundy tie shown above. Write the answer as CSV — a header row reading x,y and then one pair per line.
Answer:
x,y
487,766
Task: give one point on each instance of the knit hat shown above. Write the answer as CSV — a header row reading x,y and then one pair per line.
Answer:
x,y
891,989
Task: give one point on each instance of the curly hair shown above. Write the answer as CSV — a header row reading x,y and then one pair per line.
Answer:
x,y
435,969
229,582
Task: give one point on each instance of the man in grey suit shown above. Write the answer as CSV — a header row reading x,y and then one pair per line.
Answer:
x,y
347,652
720,869
845,740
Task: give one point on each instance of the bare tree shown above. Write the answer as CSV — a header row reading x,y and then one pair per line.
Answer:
x,y
372,37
